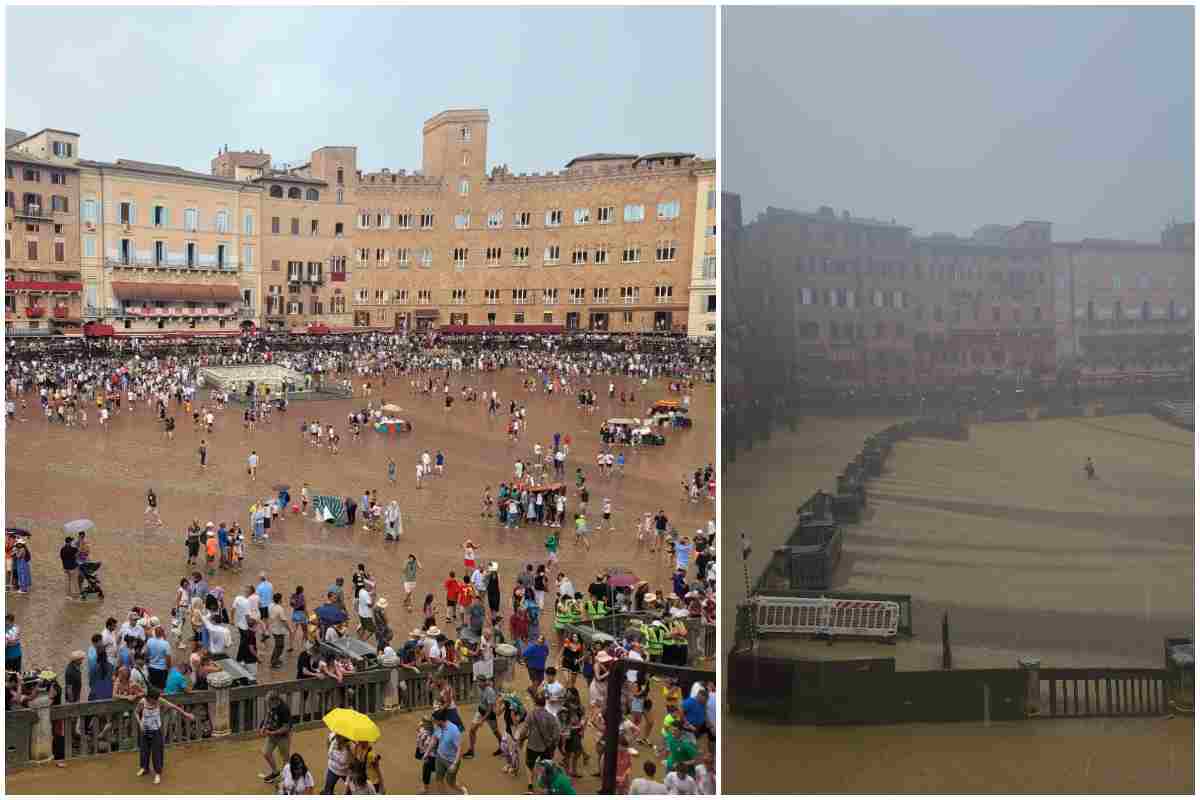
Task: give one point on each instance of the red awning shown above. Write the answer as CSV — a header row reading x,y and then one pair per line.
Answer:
x,y
44,286
96,329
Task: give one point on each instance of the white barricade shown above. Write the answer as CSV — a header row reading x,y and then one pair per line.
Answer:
x,y
827,617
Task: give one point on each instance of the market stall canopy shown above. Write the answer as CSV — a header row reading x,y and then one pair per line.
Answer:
x,y
218,292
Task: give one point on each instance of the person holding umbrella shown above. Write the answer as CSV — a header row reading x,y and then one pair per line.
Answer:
x,y
346,726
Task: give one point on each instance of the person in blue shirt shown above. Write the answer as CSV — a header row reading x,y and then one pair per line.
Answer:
x,y
158,657
223,544
265,592
177,682
695,713
449,753
535,656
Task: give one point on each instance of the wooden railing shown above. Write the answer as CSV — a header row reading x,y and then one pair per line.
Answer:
x,y
107,726
1104,692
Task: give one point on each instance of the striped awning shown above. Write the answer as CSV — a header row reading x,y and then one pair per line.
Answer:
x,y
220,292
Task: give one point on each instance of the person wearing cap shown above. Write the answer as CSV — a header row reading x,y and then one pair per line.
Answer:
x,y
69,555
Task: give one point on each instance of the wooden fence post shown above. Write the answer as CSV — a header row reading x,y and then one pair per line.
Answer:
x,y
41,748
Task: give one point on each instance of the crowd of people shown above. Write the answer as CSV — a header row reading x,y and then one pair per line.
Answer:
x,y
153,658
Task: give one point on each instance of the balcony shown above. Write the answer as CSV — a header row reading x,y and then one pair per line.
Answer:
x,y
32,211
35,312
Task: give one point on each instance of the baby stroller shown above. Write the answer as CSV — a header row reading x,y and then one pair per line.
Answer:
x,y
89,582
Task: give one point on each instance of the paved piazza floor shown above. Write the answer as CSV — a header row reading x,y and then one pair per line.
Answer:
x,y
56,474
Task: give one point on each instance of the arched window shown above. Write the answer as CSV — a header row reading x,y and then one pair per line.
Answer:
x,y
293,193
276,191
312,195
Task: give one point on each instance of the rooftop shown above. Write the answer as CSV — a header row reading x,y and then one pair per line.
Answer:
x,y
603,157
158,169
662,156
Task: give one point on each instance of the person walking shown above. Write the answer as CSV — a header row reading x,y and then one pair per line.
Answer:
x,y
203,454
252,465
69,555
391,470
277,626
150,725
410,579
276,727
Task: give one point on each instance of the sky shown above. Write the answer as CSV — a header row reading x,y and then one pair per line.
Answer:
x,y
174,85
950,119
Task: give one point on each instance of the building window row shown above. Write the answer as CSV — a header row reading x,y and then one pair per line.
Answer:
x,y
553,218
294,193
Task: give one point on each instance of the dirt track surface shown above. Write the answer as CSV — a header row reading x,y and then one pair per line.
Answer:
x,y
56,474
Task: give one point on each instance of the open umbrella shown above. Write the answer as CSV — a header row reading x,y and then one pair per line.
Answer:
x,y
354,725
391,408
622,580
78,526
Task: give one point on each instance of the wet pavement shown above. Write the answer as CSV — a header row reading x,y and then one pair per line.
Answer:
x,y
56,474
1028,557
232,766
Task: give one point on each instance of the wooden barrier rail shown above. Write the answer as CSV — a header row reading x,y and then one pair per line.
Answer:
x,y
106,726
1104,692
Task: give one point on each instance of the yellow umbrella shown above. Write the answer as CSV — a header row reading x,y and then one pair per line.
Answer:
x,y
354,725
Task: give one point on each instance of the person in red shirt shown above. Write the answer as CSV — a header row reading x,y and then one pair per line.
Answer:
x,y
518,624
452,592
466,596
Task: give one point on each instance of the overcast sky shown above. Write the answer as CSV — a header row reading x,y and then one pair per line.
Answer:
x,y
947,120
174,85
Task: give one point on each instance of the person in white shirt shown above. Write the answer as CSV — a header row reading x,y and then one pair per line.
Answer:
x,y
634,654
706,778
647,785
218,637
366,617
680,781
554,691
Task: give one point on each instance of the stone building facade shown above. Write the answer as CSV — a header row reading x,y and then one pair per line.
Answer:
x,y
702,307
1125,306
612,242
43,290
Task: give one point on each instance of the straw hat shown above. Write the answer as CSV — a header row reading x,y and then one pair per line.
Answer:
x,y
154,622
434,632
381,603
78,655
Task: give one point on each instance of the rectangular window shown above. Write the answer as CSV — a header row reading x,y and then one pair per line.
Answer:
x,y
492,256
424,296
402,257
491,297
63,149
400,296
665,251
709,268
31,249
426,220
712,199
496,219
662,294
460,258
554,218
222,222
631,295
462,221
295,226
404,221
522,219
248,225
59,203
600,295
604,215
89,247
668,210
550,256
601,255
577,295
710,232
579,256
364,220
160,253
33,175
635,213
458,297
192,254
379,218
519,317
362,254
60,252
549,297
583,216
381,255
247,256
520,256
126,213
427,258
631,255
520,297
710,301
314,227
89,211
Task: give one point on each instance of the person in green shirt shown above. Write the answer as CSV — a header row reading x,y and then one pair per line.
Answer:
x,y
680,749
552,779
552,548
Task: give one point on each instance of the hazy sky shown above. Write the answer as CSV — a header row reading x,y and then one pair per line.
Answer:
x,y
174,85
947,120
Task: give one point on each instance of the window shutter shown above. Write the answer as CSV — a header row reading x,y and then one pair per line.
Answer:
x,y
166,217
132,213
